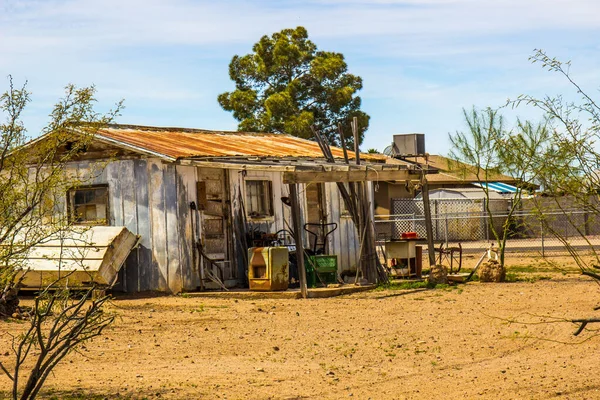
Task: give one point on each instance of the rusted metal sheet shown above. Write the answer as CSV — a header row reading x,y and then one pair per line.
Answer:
x,y
179,143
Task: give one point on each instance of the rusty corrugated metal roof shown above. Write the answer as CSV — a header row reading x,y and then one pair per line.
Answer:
x,y
180,143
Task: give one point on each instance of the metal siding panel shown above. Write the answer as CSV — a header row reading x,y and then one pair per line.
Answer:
x,y
82,171
186,193
92,172
174,278
235,181
114,189
158,221
143,264
130,220
156,206
99,173
334,211
115,209
277,179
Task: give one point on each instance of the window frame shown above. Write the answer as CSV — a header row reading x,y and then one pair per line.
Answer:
x,y
267,198
71,205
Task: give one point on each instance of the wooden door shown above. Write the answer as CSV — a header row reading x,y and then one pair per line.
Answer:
x,y
213,205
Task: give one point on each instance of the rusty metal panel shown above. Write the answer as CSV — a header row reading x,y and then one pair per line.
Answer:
x,y
181,143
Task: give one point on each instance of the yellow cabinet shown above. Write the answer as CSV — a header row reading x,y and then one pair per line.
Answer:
x,y
268,268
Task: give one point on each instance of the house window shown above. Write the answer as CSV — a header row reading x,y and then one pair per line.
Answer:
x,y
259,198
88,205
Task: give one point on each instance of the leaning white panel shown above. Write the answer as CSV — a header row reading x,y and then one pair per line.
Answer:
x,y
87,255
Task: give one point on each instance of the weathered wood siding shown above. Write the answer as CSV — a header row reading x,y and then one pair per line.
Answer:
x,y
186,194
281,212
343,242
152,200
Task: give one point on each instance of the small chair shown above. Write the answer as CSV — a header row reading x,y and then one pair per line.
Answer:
x,y
450,255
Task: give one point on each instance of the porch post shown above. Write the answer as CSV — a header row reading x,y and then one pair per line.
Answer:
x,y
428,225
297,224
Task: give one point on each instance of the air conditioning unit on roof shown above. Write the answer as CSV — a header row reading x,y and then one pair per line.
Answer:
x,y
410,144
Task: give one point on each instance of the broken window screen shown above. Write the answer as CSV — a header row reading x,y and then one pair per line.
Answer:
x,y
89,206
259,195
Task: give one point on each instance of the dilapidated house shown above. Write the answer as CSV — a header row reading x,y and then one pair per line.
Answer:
x,y
190,195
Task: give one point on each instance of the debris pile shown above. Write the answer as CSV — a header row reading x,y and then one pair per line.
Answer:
x,y
438,274
491,271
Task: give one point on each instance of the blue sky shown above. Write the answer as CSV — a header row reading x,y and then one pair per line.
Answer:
x,y
421,61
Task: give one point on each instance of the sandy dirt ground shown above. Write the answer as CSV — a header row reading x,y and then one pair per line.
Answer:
x,y
449,343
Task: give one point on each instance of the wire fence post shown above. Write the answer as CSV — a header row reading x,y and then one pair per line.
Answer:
x,y
542,237
446,229
486,225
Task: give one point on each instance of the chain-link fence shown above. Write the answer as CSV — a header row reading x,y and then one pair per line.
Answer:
x,y
467,221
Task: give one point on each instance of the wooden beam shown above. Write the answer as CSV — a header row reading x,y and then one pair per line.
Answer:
x,y
250,166
349,176
297,224
428,221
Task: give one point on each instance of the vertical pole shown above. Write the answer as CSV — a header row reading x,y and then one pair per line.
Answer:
x,y
436,214
360,197
428,226
297,224
542,235
446,228
486,225
356,137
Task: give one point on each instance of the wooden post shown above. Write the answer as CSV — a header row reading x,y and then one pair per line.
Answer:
x,y
297,224
356,137
360,200
428,224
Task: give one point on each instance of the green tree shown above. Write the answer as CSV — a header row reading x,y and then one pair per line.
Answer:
x,y
287,85
488,149
569,173
33,179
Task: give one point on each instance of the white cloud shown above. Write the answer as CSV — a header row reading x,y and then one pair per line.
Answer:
x,y
418,54
136,22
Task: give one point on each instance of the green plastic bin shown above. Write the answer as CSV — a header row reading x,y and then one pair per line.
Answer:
x,y
325,267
